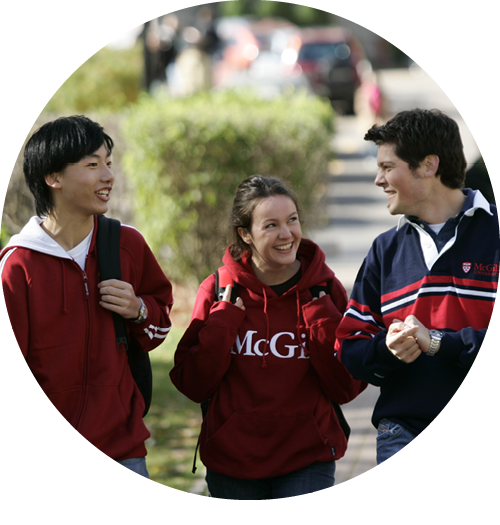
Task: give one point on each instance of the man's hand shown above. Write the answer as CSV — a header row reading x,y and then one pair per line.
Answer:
x,y
119,296
401,341
422,334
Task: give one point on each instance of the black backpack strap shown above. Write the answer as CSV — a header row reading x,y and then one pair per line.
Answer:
x,y
344,425
222,280
204,410
108,257
321,287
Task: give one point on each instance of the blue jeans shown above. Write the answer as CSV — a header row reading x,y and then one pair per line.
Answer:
x,y
317,476
137,465
392,437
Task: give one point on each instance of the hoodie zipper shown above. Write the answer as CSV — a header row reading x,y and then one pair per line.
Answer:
x,y
87,351
86,284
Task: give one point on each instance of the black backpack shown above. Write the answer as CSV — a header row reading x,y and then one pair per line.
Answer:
x,y
108,258
222,280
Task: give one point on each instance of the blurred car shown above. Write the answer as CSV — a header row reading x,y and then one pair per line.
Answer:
x,y
273,34
253,54
270,77
237,49
332,59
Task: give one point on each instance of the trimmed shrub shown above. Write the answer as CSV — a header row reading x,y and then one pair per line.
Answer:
x,y
185,158
108,80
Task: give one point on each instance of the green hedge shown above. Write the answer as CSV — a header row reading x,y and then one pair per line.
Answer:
x,y
108,80
185,157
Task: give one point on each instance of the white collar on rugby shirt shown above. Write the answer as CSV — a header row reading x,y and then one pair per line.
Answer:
x,y
429,249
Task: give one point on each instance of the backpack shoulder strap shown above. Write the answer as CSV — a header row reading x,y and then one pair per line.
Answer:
x,y
108,248
108,259
321,287
222,280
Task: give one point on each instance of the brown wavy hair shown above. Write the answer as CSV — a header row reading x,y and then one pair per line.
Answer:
x,y
249,193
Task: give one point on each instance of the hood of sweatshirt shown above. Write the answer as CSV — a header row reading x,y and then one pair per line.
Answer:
x,y
313,267
314,271
34,237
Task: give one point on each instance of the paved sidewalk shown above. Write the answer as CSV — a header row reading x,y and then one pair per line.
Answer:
x,y
361,452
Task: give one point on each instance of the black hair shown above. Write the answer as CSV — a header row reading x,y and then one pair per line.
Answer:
x,y
55,145
249,193
420,132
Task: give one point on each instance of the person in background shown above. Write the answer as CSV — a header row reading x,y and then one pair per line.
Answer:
x,y
267,362
424,296
60,313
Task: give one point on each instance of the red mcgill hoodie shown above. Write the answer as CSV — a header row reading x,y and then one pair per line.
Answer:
x,y
270,372
68,339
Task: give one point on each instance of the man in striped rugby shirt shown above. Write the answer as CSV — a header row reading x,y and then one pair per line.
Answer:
x,y
424,295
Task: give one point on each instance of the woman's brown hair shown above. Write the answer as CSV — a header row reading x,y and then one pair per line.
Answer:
x,y
249,193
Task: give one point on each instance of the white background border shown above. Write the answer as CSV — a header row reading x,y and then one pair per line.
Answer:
x,y
52,474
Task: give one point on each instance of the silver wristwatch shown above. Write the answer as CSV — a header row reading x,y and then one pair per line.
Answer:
x,y
143,312
436,337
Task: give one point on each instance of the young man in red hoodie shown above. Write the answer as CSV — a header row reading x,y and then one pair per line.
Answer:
x,y
61,314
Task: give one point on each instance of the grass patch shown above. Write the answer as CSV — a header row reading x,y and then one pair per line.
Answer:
x,y
174,422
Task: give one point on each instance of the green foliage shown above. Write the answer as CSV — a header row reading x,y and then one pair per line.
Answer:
x,y
185,158
109,80
235,8
174,422
298,14
4,236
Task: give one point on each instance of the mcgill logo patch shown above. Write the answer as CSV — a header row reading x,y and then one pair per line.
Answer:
x,y
466,266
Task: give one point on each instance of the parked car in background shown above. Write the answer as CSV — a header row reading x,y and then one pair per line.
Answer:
x,y
256,54
274,34
333,61
237,49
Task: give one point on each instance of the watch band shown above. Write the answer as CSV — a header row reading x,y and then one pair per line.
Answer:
x,y
436,337
143,312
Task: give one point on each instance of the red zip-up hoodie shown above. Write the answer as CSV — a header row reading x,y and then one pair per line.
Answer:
x,y
270,372
68,339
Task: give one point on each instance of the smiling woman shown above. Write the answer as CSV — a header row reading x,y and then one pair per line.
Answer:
x,y
274,238
266,363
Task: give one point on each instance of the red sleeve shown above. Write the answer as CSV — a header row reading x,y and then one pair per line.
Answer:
x,y
322,318
203,355
15,290
141,269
